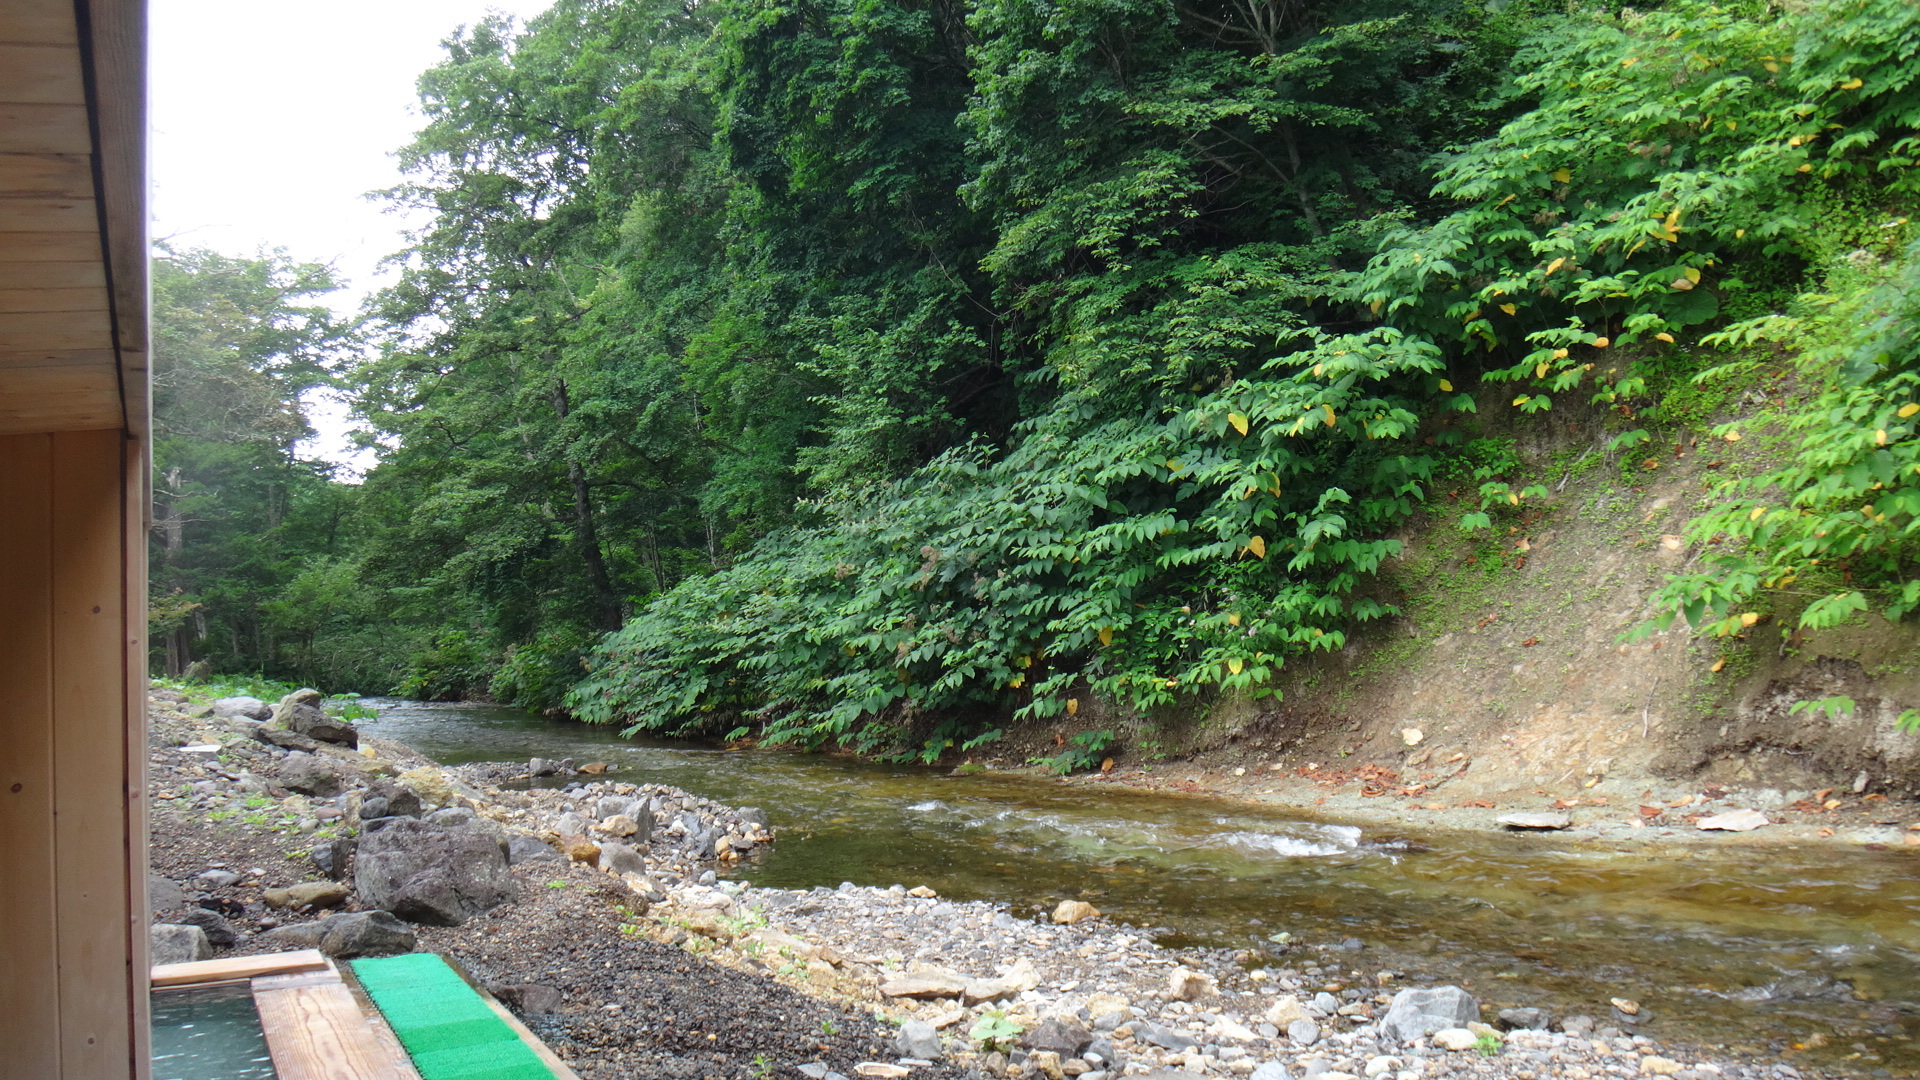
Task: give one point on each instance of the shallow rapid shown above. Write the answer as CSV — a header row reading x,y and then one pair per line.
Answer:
x,y
1761,949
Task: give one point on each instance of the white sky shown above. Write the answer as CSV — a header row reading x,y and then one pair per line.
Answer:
x,y
272,120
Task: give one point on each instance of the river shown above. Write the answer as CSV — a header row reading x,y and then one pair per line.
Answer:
x,y
1755,948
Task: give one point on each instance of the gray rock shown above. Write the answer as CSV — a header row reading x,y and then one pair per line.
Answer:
x,y
1270,1070
1164,1037
163,895
1108,1021
358,933
282,738
250,707
306,695
529,999
1303,1032
918,1039
374,808
220,933
1545,819
571,824
1416,1012
428,874
1326,1003
524,848
330,857
541,767
1528,1019
610,805
753,815
308,720
1059,1036
217,879
308,775
178,943
621,859
452,816
1580,1026
813,1069
402,801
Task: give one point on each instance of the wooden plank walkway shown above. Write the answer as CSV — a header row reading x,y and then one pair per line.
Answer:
x,y
316,1030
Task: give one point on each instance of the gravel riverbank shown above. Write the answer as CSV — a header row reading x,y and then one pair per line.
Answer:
x,y
624,948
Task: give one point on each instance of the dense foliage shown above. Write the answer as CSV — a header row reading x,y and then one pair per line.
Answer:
x,y
869,373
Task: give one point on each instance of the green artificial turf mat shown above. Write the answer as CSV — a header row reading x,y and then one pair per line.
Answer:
x,y
450,1033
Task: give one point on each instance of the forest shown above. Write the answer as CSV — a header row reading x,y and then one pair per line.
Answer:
x,y
877,373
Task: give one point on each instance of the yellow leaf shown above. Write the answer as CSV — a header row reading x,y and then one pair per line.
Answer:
x,y
1562,175
1718,664
1693,274
1749,618
1106,635
1258,546
1601,342
1664,336
1374,307
1629,61
1235,665
1540,371
1447,387
1733,436
1559,354
1233,619
1239,422
1804,167
1555,265
1738,233
1637,245
1018,682
1504,201
1771,66
1509,309
1795,141
1682,284
1673,220
1073,706
1758,513
1329,409
1880,437
1905,410
1512,498
1852,84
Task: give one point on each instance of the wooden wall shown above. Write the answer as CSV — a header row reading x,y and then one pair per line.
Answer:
x,y
73,800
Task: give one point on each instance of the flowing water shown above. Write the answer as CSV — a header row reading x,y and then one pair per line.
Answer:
x,y
1761,949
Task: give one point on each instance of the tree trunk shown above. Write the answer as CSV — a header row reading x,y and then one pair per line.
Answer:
x,y
589,536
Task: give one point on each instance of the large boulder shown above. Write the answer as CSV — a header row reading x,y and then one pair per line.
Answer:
x,y
359,933
308,720
250,707
1414,1013
177,943
308,775
428,874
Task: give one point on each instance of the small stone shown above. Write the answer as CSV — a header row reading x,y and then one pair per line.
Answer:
x,y
1059,1036
1270,1070
1186,984
814,1070
1415,1012
1528,1019
596,768
580,850
1455,1039
1073,911
452,817
220,933
1046,1063
217,879
307,895
1303,1032
1653,1065
922,892
1545,819
918,1039
881,1068
162,894
529,999
619,825
1626,1005
1735,821
1380,1066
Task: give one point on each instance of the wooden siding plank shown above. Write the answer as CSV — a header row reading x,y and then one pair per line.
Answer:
x,y
41,75
18,363
27,257
38,22
92,301
37,331
44,129
47,215
136,524
319,1033
239,967
91,414
29,1017
46,176
97,982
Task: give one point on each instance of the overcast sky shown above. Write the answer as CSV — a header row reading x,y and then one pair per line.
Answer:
x,y
272,120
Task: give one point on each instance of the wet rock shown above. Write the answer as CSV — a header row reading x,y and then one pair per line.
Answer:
x,y
1058,1036
315,724
177,943
1416,1012
308,775
1734,821
1546,819
542,767
432,875
529,999
1527,1019
220,933
522,848
1070,912
918,1039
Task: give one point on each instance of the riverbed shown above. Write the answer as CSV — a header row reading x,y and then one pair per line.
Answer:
x,y
1763,949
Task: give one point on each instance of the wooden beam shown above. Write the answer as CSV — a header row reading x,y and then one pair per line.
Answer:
x,y
91,301
18,271
319,1033
29,1014
41,75
36,331
239,967
120,63
44,129
48,216
46,176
